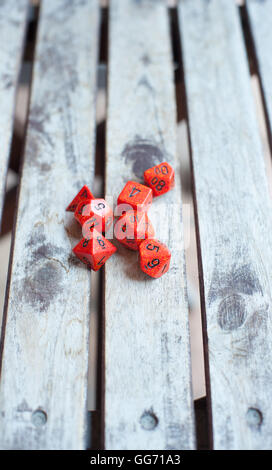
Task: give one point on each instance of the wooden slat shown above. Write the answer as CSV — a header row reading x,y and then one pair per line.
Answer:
x,y
260,14
234,217
148,400
12,30
45,360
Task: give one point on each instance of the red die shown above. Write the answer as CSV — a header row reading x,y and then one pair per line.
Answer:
x,y
84,194
132,228
94,213
161,178
154,257
94,251
136,196
82,212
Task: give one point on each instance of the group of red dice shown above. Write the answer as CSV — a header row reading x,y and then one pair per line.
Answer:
x,y
133,228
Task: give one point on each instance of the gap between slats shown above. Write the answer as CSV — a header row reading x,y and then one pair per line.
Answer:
x,y
17,147
258,94
96,326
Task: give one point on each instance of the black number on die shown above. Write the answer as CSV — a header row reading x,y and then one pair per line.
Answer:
x,y
134,191
91,222
163,170
101,242
160,185
152,264
100,206
151,247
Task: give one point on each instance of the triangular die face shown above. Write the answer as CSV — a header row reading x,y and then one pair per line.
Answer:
x,y
83,247
84,193
101,257
87,260
101,245
83,251
83,209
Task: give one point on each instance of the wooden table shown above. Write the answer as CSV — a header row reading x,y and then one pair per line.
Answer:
x,y
146,395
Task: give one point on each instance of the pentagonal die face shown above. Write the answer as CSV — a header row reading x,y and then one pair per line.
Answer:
x,y
136,196
154,258
132,228
161,178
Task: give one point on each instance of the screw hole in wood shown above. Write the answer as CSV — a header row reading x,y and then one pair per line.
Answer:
x,y
254,418
39,418
149,420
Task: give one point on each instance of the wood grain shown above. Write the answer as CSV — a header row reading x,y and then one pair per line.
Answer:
x,y
12,31
260,14
234,219
43,391
148,398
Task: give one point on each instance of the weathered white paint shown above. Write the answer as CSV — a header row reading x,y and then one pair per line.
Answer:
x,y
147,358
45,360
260,14
234,216
12,30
